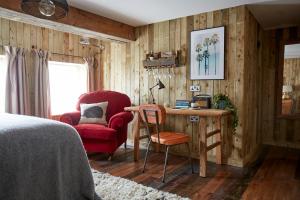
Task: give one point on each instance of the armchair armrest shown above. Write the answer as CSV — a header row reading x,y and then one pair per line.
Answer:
x,y
71,118
120,120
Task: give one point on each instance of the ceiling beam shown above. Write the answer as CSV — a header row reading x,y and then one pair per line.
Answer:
x,y
86,20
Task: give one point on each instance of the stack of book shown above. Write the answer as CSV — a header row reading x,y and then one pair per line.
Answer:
x,y
182,104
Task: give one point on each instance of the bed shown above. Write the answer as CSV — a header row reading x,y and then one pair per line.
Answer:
x,y
42,160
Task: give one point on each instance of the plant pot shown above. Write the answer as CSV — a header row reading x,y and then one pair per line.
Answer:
x,y
222,104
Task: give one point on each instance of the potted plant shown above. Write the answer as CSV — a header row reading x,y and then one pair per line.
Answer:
x,y
221,101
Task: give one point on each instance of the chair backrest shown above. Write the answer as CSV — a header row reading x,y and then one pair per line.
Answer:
x,y
152,114
116,101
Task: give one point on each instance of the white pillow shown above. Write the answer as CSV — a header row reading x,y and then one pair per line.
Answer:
x,y
94,113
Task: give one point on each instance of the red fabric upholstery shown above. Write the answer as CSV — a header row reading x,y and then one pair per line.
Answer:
x,y
120,120
100,138
70,118
96,131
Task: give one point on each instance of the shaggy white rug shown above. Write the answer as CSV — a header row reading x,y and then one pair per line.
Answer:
x,y
109,187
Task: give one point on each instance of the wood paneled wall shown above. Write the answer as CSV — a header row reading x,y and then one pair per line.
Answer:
x,y
251,64
291,76
276,131
267,96
123,71
28,36
252,84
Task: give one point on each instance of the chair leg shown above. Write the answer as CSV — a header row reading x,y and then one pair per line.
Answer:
x,y
125,144
190,156
165,166
148,147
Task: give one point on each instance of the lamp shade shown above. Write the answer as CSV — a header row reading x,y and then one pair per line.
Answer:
x,y
287,88
160,85
46,9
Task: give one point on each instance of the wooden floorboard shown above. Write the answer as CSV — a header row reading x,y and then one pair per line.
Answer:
x,y
275,176
221,181
276,179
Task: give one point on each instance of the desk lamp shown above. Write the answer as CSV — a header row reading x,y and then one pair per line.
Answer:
x,y
160,86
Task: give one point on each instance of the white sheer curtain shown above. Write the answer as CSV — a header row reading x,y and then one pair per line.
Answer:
x,y
16,94
41,80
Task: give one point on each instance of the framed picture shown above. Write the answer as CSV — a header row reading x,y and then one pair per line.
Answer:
x,y
207,54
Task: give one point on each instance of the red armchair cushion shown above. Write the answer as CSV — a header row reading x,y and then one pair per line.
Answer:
x,y
96,131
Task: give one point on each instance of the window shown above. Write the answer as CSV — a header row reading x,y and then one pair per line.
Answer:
x,y
3,71
67,82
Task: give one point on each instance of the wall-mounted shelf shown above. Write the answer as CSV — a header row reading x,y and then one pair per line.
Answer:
x,y
160,60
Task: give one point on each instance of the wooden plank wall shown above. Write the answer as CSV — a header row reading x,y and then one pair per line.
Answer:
x,y
291,76
28,36
240,74
249,69
251,63
269,47
252,82
276,131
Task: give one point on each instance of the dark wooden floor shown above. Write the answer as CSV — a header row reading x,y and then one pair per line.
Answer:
x,y
276,176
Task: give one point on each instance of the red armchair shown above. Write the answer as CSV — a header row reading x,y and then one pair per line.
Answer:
x,y
102,138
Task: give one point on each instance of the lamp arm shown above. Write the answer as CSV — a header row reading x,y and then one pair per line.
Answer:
x,y
153,100
153,86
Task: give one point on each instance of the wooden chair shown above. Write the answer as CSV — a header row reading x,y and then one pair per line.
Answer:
x,y
152,114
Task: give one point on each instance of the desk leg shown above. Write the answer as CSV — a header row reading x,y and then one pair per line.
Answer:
x,y
202,146
157,147
136,135
218,139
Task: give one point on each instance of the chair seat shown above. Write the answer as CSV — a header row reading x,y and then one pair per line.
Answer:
x,y
170,138
96,131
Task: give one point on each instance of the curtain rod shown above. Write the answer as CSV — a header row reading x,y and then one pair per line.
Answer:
x,y
61,54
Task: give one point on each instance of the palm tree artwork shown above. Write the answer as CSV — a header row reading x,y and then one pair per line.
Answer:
x,y
199,57
214,40
203,53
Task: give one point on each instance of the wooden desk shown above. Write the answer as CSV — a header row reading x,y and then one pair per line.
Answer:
x,y
203,135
